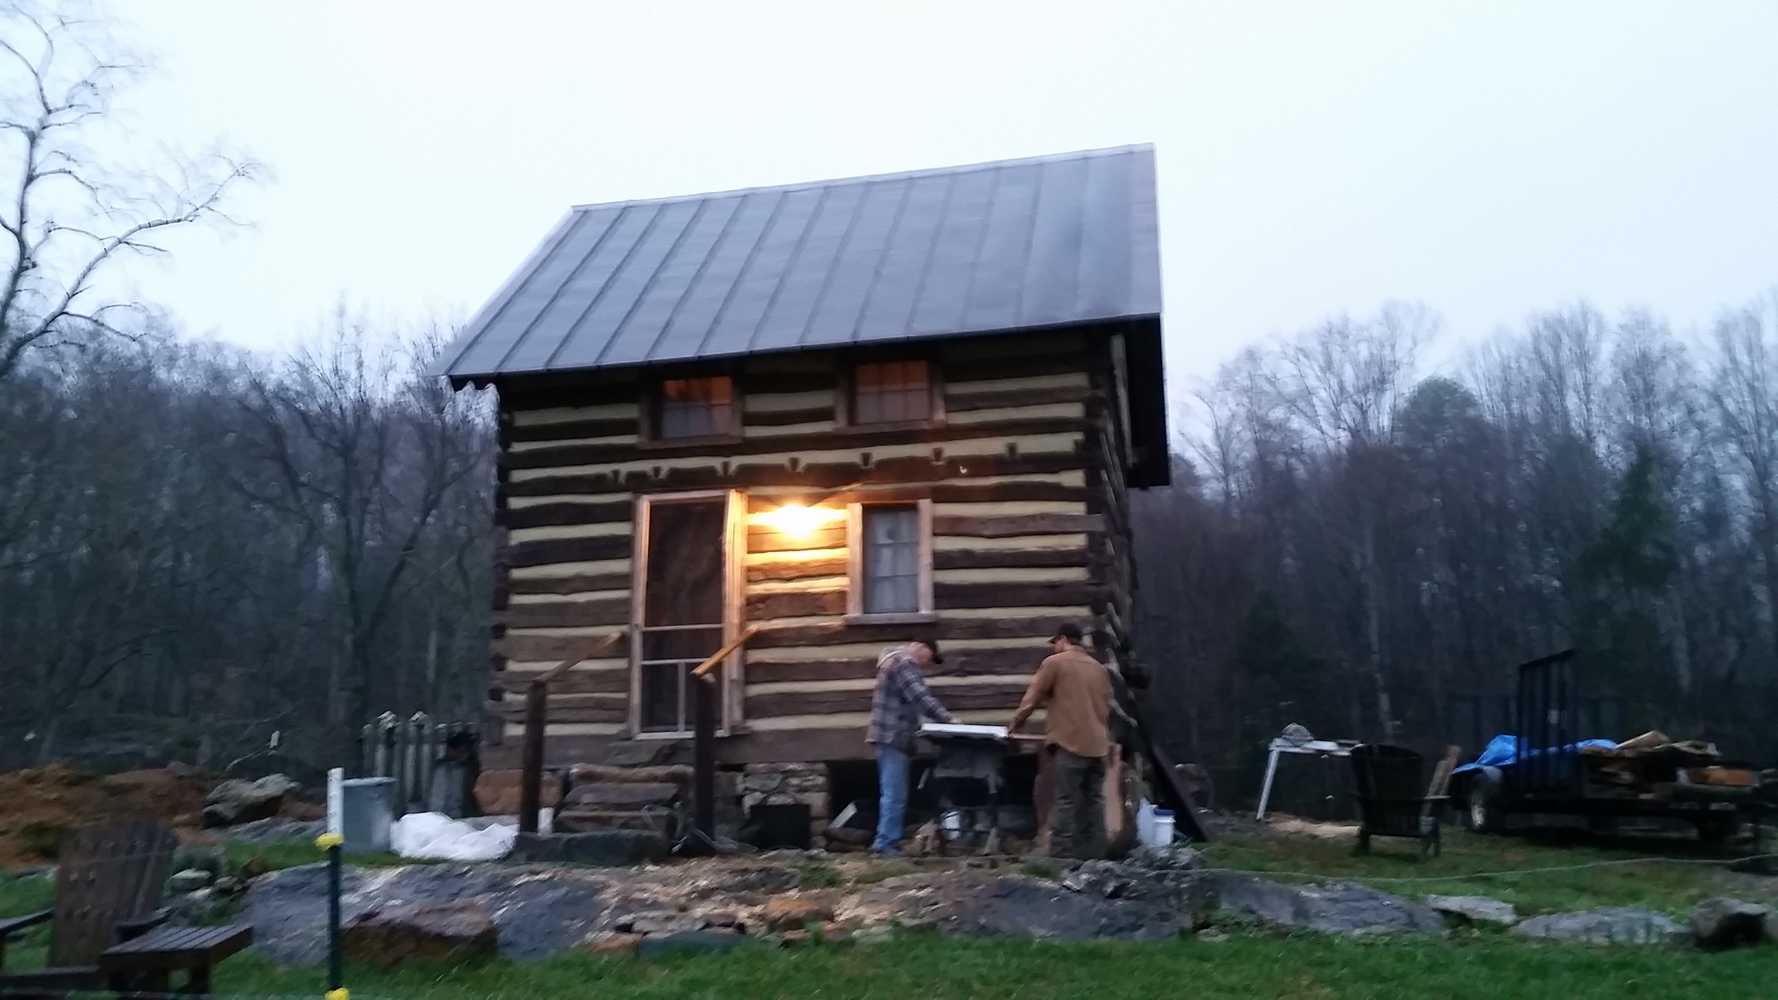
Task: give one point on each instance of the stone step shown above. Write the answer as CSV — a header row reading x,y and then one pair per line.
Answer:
x,y
589,774
623,795
592,820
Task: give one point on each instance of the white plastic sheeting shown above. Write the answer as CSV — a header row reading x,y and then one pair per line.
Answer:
x,y
434,836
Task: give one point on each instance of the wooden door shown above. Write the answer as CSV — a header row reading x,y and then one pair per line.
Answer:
x,y
683,602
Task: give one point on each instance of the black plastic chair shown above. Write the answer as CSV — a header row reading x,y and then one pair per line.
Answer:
x,y
1392,799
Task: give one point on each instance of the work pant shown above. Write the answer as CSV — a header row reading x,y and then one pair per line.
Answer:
x,y
892,796
1077,819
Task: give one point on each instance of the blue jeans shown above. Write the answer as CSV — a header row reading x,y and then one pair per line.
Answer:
x,y
892,796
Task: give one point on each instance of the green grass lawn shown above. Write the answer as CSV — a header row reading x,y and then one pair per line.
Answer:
x,y
1671,887
1244,963
917,966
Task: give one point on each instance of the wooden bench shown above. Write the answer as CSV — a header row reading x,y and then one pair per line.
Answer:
x,y
145,964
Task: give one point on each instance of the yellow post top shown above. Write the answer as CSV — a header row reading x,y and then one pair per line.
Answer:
x,y
342,993
325,842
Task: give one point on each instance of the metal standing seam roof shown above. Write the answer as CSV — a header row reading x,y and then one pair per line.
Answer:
x,y
1043,241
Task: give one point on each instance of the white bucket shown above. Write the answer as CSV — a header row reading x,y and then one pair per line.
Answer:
x,y
1144,821
1160,829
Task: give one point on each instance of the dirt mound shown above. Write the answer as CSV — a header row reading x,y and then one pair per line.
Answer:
x,y
41,803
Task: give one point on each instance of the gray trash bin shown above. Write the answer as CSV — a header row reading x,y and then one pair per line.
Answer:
x,y
367,807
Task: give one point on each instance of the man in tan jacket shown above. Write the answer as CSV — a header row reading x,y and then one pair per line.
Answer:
x,y
1076,691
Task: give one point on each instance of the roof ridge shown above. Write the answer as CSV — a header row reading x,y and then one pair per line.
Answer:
x,y
963,168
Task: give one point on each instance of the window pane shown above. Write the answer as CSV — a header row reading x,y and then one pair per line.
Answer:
x,y
890,392
696,407
686,565
891,559
660,697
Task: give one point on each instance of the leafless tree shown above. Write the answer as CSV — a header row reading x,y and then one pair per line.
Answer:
x,y
73,206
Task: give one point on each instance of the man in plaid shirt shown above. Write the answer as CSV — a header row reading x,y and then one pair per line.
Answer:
x,y
900,700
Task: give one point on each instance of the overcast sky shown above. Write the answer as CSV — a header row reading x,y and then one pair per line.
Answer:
x,y
1486,158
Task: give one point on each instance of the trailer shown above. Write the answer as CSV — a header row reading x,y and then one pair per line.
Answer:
x,y
1549,771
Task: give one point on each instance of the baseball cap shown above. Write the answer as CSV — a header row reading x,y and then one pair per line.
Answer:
x,y
932,644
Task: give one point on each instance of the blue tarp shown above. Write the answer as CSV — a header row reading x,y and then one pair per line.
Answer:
x,y
1501,749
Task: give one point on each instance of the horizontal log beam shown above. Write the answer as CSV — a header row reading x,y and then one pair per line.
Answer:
x,y
796,569
938,492
565,550
569,430
1007,558
1017,366
815,475
1022,524
832,633
957,698
591,454
782,418
580,583
566,614
559,647
765,539
818,375
546,514
990,400
1011,595
613,711
795,605
572,682
963,663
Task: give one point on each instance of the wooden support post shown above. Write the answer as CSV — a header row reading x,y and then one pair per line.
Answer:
x,y
531,780
707,696
704,759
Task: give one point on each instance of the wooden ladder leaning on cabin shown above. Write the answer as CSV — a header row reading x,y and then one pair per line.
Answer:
x,y
703,734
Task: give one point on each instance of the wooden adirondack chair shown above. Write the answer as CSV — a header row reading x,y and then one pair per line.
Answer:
x,y
108,883
1392,802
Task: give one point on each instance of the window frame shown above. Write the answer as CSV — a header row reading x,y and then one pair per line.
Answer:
x,y
846,399
654,400
855,542
730,718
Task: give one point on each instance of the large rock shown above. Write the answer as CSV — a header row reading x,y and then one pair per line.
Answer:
x,y
1464,910
236,801
1721,922
1606,925
1331,908
445,932
211,858
536,912
977,902
791,913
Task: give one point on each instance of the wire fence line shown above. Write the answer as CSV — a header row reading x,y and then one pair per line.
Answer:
x,y
1504,873
321,857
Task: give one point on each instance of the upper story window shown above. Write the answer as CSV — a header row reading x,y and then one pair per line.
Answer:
x,y
892,392
696,408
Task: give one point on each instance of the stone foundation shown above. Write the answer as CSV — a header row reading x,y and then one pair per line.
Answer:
x,y
789,784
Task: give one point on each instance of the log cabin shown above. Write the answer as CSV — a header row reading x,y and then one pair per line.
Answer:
x,y
839,412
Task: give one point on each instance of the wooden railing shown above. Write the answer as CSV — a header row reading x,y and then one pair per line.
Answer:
x,y
536,717
706,698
